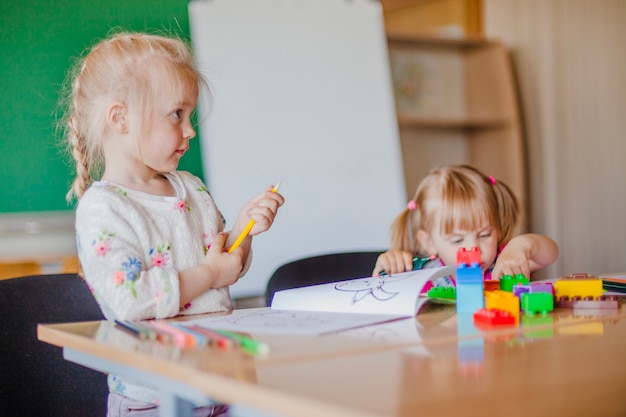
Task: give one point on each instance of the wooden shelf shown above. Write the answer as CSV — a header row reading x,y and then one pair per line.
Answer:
x,y
450,123
412,39
456,104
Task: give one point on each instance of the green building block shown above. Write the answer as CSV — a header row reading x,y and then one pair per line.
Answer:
x,y
507,282
442,292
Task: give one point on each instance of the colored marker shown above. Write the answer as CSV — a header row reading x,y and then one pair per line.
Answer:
x,y
156,333
130,329
221,340
250,345
150,332
180,338
248,227
200,340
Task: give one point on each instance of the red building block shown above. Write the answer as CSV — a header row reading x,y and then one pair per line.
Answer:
x,y
493,317
466,257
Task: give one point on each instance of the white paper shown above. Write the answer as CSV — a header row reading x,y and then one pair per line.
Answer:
x,y
396,294
333,307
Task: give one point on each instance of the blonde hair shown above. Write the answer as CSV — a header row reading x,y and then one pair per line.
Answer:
x,y
458,197
136,69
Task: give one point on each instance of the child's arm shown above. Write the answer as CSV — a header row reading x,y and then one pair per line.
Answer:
x,y
393,262
525,254
218,269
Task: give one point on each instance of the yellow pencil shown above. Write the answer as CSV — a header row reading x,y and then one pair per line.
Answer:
x,y
245,232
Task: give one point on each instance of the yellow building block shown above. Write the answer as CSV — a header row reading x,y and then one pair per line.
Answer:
x,y
578,287
502,300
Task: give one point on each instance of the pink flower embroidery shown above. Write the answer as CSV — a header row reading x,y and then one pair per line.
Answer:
x,y
102,244
102,248
159,259
181,205
118,277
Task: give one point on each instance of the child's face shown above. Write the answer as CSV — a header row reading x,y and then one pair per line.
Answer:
x,y
170,133
446,245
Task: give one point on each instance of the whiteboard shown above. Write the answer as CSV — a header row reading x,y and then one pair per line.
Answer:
x,y
302,94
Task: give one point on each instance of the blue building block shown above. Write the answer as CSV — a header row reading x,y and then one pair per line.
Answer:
x,y
469,274
469,288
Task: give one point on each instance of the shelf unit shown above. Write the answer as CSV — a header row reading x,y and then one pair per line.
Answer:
x,y
456,102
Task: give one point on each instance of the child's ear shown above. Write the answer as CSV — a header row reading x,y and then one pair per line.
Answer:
x,y
426,242
116,117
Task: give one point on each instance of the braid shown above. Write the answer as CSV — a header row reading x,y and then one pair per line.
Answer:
x,y
81,158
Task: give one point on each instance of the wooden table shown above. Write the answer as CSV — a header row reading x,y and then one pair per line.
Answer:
x,y
570,363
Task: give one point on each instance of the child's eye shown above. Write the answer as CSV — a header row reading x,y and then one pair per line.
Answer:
x,y
177,114
484,235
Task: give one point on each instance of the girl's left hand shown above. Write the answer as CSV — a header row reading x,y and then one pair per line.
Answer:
x,y
262,209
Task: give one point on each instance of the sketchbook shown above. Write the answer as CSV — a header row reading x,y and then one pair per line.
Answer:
x,y
335,306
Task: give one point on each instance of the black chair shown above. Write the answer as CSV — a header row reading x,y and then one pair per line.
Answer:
x,y
36,380
320,270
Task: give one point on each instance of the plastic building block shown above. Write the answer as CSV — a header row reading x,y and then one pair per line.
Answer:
x,y
442,292
493,317
502,300
581,275
520,289
469,297
469,274
537,302
491,284
533,287
582,287
508,281
469,288
601,302
463,256
541,287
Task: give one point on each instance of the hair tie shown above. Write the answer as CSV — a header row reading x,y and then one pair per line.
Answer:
x,y
411,205
492,180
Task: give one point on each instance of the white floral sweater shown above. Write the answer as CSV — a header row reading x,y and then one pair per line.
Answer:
x,y
131,246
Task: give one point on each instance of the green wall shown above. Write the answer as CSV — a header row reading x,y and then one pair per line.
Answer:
x,y
39,40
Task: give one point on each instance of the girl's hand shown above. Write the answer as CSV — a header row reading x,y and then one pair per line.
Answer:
x,y
525,254
224,267
262,209
393,262
218,269
514,259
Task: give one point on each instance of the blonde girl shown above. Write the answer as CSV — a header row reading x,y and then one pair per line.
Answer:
x,y
150,238
459,206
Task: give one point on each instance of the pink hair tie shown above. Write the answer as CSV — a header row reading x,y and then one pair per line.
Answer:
x,y
492,180
411,205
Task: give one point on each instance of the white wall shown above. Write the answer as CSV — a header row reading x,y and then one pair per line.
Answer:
x,y
302,95
570,58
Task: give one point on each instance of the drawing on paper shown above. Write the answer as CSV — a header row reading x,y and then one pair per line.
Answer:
x,y
376,287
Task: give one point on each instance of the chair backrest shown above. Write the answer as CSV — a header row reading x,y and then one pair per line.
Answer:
x,y
320,270
36,380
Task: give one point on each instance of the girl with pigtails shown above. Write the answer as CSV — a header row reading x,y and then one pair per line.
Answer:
x,y
460,207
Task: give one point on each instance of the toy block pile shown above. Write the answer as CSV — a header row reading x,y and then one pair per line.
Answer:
x,y
499,302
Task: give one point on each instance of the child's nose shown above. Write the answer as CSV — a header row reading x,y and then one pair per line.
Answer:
x,y
189,132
